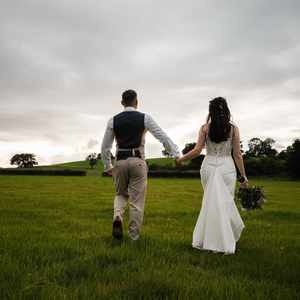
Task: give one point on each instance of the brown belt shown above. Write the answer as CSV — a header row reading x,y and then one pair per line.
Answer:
x,y
124,154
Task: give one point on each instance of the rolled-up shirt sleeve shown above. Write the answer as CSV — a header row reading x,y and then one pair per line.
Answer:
x,y
160,135
106,146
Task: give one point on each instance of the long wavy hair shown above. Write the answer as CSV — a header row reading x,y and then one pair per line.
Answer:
x,y
219,120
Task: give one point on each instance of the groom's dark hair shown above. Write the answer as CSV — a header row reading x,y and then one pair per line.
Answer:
x,y
128,97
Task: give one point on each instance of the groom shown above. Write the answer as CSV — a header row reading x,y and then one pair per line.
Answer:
x,y
128,128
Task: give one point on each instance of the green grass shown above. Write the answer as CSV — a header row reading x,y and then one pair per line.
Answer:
x,y
55,243
73,165
84,165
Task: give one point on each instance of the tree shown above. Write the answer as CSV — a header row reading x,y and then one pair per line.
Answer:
x,y
283,155
242,147
188,147
254,147
267,148
92,159
258,147
166,153
293,161
24,160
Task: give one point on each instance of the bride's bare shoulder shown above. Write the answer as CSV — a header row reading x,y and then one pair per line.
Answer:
x,y
235,129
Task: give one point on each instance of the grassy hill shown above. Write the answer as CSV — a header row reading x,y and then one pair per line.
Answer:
x,y
77,165
84,165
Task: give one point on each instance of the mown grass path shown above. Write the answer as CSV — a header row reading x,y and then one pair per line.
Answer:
x,y
55,243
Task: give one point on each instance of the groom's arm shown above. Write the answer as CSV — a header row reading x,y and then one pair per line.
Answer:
x,y
107,143
160,135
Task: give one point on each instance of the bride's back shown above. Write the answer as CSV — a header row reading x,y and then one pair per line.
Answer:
x,y
223,148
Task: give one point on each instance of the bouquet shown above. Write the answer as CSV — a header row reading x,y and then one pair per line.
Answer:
x,y
251,197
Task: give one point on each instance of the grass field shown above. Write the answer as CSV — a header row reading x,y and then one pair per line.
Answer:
x,y
55,243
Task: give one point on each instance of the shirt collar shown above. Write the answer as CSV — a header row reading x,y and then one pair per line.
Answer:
x,y
129,108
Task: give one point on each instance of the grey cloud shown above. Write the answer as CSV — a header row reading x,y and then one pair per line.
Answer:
x,y
61,60
54,127
92,143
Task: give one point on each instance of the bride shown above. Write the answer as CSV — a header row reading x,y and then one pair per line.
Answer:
x,y
219,224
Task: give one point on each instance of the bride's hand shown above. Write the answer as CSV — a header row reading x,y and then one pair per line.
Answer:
x,y
244,185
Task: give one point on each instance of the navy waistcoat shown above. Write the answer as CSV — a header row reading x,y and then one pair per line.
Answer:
x,y
129,127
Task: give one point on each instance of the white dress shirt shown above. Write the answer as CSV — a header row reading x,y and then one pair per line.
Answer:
x,y
150,125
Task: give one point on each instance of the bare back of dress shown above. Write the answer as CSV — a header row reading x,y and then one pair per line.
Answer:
x,y
219,149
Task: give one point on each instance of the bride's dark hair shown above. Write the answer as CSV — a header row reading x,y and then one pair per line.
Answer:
x,y
219,117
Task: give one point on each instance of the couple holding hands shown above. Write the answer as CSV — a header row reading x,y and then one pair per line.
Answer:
x,y
219,224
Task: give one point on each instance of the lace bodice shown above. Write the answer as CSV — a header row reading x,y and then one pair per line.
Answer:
x,y
219,149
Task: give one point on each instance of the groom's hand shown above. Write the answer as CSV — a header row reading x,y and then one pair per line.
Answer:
x,y
109,172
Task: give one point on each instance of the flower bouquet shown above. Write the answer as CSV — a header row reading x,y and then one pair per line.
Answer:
x,y
251,197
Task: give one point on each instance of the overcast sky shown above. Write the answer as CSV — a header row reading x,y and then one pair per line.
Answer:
x,y
64,65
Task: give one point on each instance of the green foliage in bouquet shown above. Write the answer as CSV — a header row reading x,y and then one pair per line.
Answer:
x,y
251,197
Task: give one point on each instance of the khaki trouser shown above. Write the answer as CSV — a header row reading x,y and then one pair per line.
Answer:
x,y
130,178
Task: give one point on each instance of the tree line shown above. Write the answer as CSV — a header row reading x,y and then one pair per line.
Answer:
x,y
261,158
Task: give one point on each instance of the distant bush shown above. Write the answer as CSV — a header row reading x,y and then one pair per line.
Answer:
x,y
265,166
155,166
186,167
92,159
46,172
195,163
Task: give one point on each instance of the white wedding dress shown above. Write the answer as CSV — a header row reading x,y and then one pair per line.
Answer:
x,y
219,224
